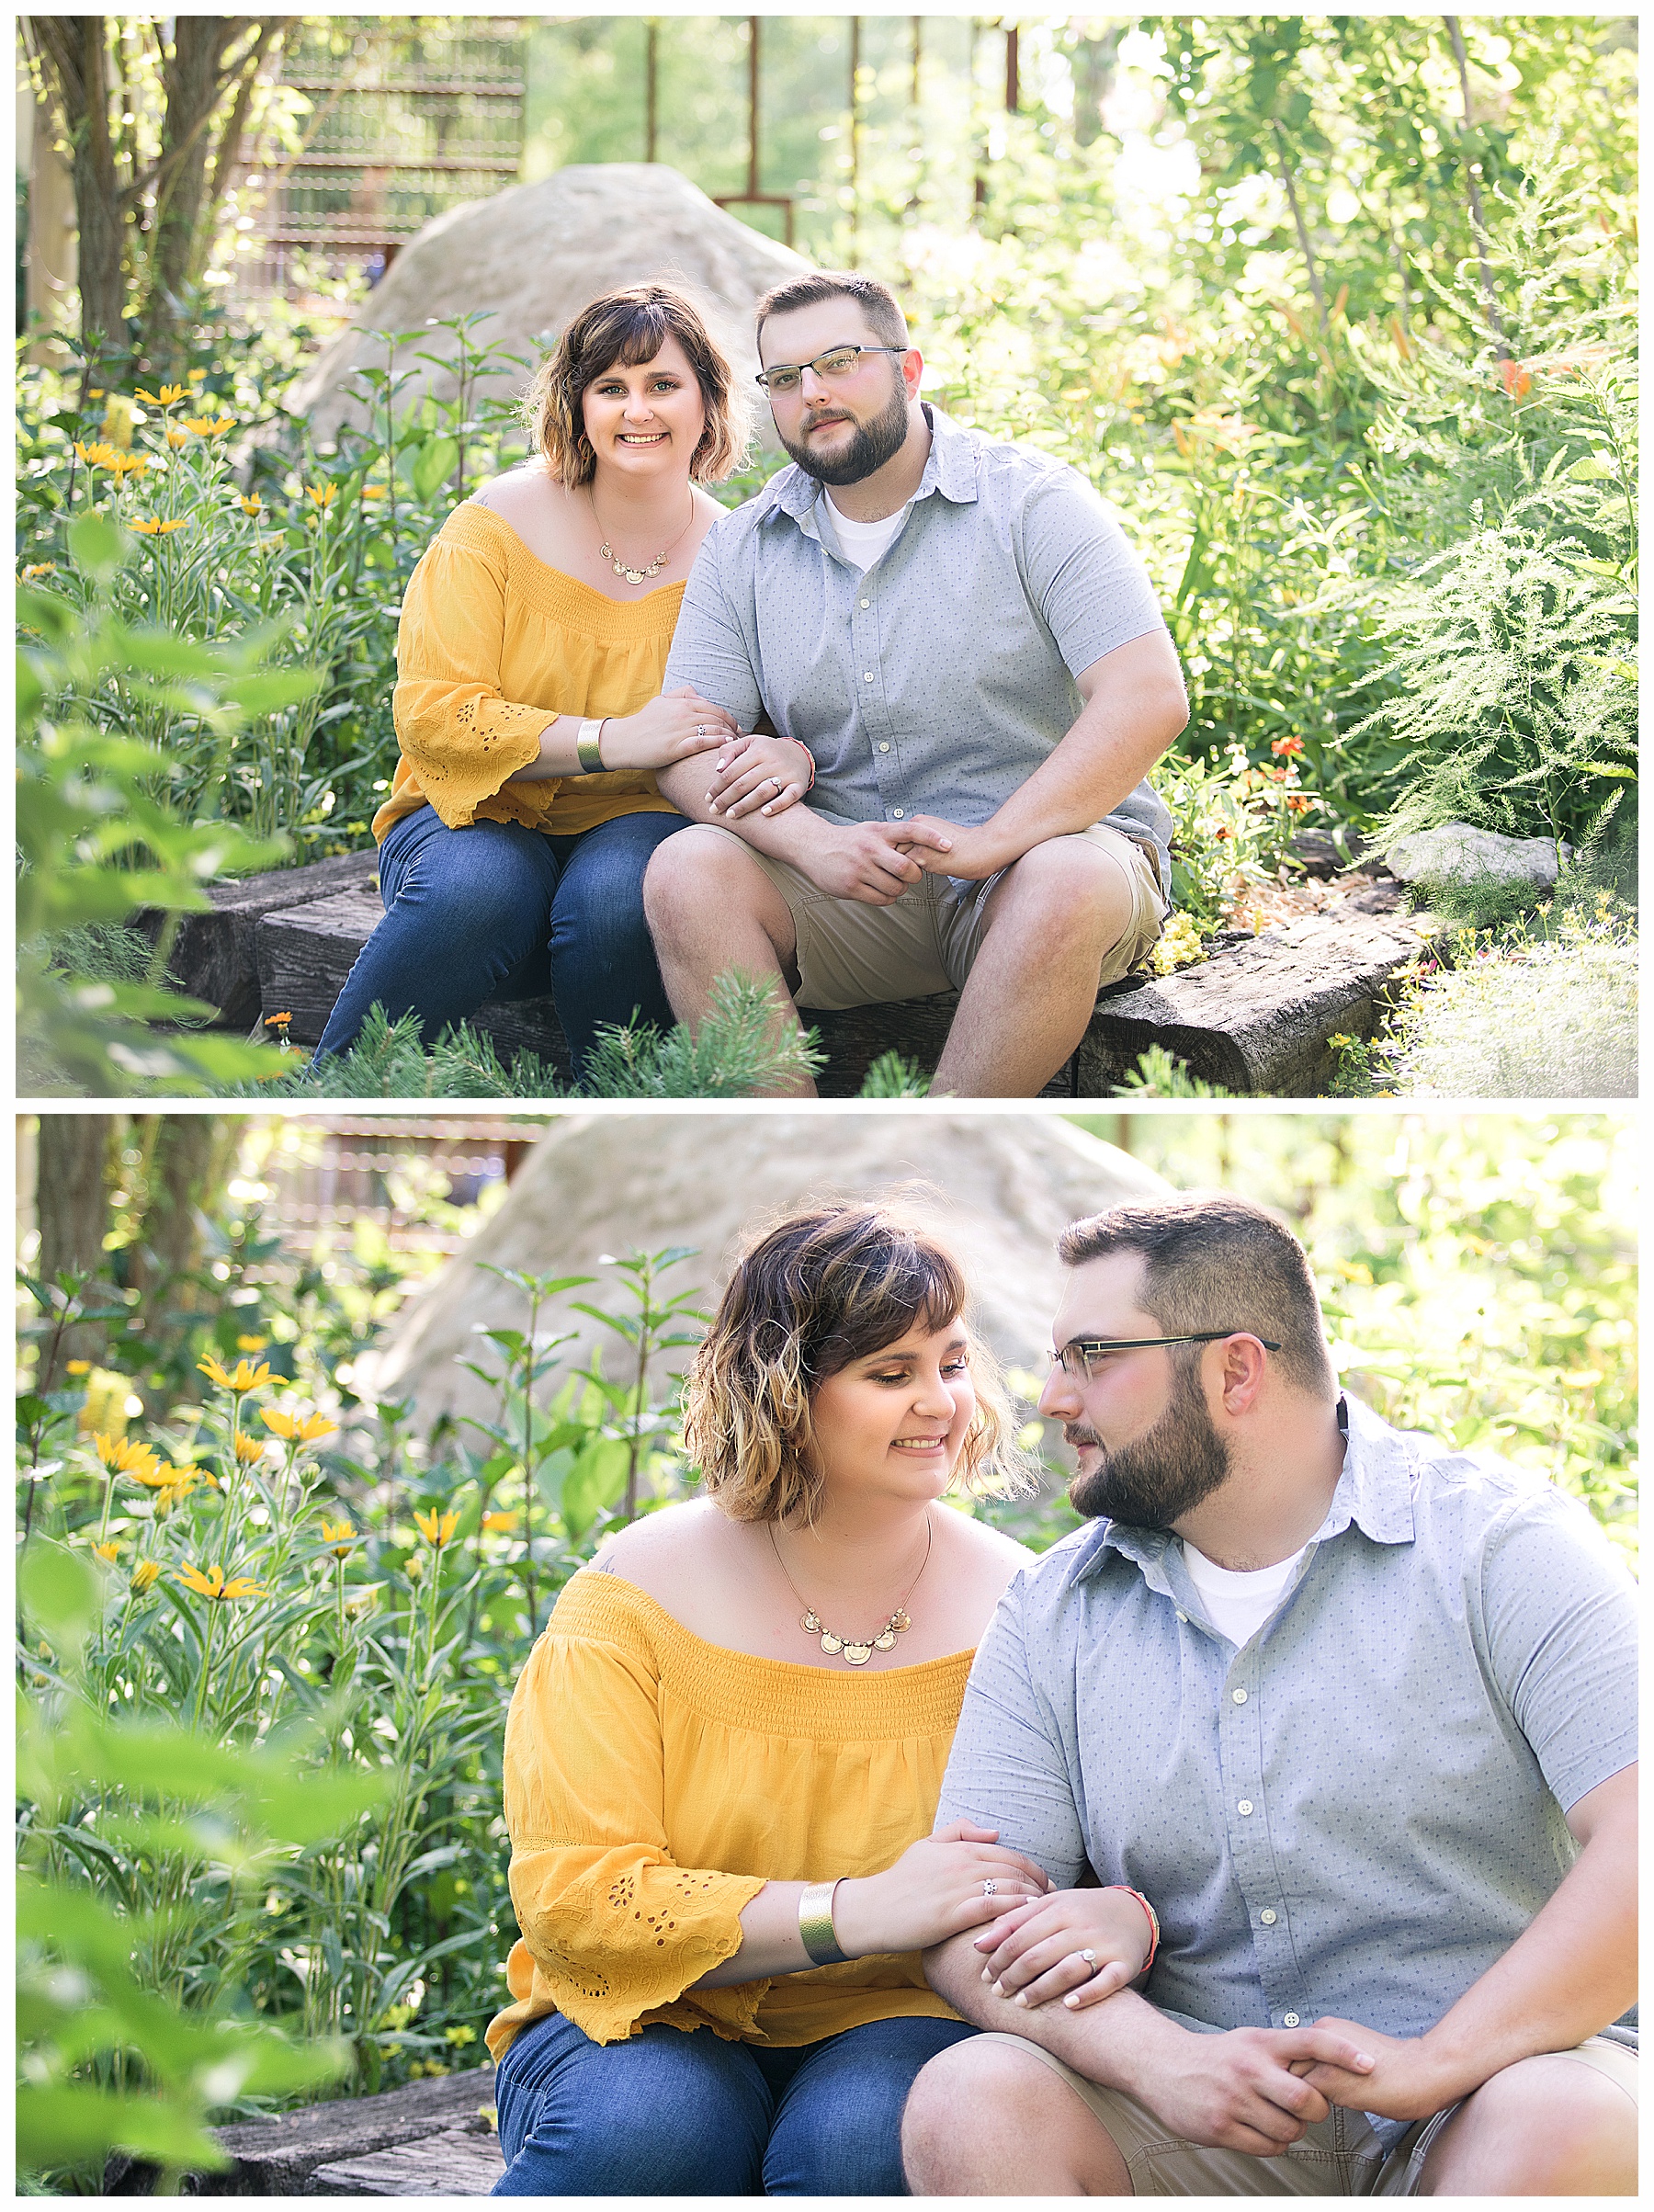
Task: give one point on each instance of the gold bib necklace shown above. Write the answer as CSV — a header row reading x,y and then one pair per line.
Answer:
x,y
841,1647
606,551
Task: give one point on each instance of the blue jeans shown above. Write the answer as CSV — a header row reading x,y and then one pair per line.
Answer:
x,y
677,2112
499,910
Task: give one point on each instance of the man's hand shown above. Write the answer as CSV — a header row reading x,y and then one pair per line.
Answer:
x,y
1034,1953
1241,2090
868,860
1407,2081
971,854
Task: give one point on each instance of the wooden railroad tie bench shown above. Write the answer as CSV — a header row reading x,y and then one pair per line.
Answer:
x,y
1256,1018
432,2138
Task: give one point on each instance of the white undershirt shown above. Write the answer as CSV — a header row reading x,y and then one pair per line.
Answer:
x,y
1239,1604
862,543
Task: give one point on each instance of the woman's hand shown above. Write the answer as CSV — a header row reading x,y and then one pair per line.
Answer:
x,y
934,1890
766,772
674,727
1034,1952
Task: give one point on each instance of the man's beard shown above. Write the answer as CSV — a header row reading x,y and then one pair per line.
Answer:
x,y
1154,1481
871,445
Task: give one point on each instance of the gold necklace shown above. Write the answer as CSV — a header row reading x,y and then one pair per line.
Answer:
x,y
854,1654
606,551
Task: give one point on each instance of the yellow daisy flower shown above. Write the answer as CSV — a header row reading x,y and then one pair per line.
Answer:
x,y
212,1583
339,1536
291,1429
436,1529
244,1378
145,1575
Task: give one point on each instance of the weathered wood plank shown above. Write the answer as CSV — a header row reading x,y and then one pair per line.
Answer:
x,y
1257,1016
452,2164
214,955
276,2157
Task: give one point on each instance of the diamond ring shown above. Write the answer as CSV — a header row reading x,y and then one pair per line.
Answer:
x,y
1090,1960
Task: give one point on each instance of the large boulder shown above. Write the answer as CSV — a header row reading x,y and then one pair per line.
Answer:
x,y
530,258
998,1187
1458,852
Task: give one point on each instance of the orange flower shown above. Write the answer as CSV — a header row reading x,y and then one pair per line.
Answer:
x,y
245,1378
499,1524
373,490
291,1429
1288,744
1514,378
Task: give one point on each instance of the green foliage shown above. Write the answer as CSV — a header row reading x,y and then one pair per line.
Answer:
x,y
892,1076
736,1053
97,840
1159,1076
106,1804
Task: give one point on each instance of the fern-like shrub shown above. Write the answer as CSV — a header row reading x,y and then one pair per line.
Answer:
x,y
1555,1019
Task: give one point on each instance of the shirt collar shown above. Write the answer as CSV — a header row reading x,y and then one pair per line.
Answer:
x,y
949,468
1375,1491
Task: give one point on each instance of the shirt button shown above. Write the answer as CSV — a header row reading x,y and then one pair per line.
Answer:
x,y
1267,1916
1289,2019
896,814
867,675
1239,1696
866,602
1246,1805
883,746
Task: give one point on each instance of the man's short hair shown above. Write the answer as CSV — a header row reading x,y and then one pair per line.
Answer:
x,y
1217,1261
880,309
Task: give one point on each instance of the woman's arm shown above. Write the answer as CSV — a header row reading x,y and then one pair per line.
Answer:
x,y
934,1890
675,727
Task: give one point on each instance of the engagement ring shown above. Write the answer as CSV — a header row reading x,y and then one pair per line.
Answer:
x,y
1090,1960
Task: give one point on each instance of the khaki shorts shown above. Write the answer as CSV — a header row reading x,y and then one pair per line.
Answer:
x,y
1338,2156
852,954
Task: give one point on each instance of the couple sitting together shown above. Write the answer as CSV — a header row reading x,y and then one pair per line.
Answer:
x,y
881,732
1274,1833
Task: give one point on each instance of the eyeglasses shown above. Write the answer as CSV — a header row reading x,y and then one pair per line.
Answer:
x,y
1075,1358
842,361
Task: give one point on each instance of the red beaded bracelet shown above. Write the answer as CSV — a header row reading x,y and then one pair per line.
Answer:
x,y
1154,1928
809,757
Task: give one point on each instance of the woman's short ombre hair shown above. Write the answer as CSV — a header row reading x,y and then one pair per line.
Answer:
x,y
630,327
817,1291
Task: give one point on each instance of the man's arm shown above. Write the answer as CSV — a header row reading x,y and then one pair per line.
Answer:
x,y
1571,1972
1135,706
1235,2091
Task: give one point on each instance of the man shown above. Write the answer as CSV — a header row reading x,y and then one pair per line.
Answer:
x,y
958,634
1355,1713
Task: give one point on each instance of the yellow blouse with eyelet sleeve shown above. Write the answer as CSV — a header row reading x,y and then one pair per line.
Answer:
x,y
493,643
656,1782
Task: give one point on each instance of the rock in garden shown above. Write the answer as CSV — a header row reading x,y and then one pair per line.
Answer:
x,y
999,1187
531,257
1459,853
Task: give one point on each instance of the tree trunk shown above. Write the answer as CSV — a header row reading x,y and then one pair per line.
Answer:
x,y
72,1207
75,57
189,1159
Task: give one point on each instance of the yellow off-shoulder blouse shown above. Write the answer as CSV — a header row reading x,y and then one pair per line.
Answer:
x,y
493,643
654,1783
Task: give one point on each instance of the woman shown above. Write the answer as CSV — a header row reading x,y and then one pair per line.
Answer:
x,y
723,1757
533,641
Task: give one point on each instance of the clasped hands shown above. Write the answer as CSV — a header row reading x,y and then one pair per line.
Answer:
x,y
871,861
1078,1945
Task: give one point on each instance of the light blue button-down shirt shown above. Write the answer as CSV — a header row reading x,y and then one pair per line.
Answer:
x,y
940,679
1359,1811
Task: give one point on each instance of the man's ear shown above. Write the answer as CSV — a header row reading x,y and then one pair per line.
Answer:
x,y
1243,1365
913,372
